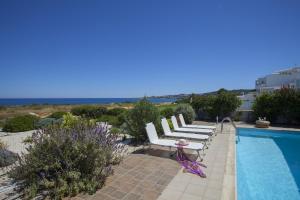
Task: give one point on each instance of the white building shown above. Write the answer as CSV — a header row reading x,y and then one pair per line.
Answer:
x,y
247,101
289,78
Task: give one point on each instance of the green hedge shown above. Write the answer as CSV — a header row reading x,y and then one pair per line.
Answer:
x,y
89,111
20,123
222,104
57,115
116,111
167,112
111,120
282,106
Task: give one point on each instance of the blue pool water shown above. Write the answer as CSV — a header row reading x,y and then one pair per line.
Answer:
x,y
268,164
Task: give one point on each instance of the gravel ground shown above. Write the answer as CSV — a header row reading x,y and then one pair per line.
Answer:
x,y
15,140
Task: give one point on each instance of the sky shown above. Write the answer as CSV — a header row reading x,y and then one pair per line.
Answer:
x,y
132,48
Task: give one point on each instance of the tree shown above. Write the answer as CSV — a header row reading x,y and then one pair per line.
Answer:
x,y
137,118
222,104
225,103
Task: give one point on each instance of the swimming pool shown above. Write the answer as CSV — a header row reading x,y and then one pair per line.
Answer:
x,y
268,164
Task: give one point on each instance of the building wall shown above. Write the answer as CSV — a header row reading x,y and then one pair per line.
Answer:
x,y
247,101
285,78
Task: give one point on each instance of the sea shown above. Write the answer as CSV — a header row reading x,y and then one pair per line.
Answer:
x,y
74,101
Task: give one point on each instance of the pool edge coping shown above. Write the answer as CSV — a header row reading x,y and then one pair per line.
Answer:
x,y
229,191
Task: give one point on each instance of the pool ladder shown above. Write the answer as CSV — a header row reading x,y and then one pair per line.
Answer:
x,y
232,123
227,119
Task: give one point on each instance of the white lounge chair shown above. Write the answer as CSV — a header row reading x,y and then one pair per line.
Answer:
x,y
184,125
190,130
169,133
154,140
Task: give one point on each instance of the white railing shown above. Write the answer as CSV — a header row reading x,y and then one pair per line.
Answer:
x,y
227,119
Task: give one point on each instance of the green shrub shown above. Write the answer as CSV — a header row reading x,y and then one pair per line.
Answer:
x,y
69,120
282,105
167,112
225,103
111,120
89,111
187,111
20,123
222,104
205,105
57,115
64,162
116,111
114,130
170,124
2,108
142,113
2,122
122,118
45,122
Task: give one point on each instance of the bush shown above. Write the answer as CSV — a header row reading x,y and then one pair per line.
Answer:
x,y
69,120
222,104
6,157
170,124
115,131
2,122
111,120
20,123
187,111
43,123
57,115
122,118
142,113
64,162
225,103
2,108
116,111
89,111
167,112
280,106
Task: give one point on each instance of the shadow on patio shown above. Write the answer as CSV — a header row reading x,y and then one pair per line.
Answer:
x,y
142,175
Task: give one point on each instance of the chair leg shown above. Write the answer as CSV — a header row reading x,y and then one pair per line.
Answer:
x,y
199,156
205,144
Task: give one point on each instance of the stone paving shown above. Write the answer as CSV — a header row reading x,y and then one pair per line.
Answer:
x,y
218,184
143,175
151,174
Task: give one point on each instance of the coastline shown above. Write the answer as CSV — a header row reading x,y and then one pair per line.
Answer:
x,y
75,101
44,110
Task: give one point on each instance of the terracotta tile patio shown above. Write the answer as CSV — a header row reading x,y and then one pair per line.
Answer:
x,y
142,175
152,174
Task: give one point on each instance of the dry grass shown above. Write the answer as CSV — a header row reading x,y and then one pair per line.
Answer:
x,y
46,110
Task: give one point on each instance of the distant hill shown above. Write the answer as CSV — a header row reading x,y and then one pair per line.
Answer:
x,y
181,96
236,92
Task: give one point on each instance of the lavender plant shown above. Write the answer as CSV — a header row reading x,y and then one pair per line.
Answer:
x,y
66,161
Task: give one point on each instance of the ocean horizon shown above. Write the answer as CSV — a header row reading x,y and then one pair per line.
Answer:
x,y
74,101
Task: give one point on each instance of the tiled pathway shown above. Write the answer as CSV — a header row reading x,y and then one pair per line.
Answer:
x,y
186,186
152,174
